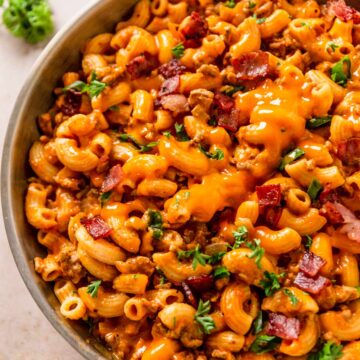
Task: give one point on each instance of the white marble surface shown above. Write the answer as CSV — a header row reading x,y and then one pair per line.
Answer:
x,y
25,333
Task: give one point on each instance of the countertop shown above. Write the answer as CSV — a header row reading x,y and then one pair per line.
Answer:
x,y
25,333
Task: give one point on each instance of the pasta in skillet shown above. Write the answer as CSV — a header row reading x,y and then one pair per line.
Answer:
x,y
197,182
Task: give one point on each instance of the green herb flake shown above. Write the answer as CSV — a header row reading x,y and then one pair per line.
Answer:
x,y
257,252
341,71
93,288
308,242
258,323
314,189
114,108
167,134
240,235
320,121
93,89
331,45
181,134
155,223
261,20
178,51
196,254
221,272
201,316
251,4
214,259
28,19
290,157
329,351
293,299
104,197
270,282
230,4
264,343
230,90
140,147
218,154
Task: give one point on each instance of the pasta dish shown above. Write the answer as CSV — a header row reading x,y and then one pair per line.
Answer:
x,y
197,183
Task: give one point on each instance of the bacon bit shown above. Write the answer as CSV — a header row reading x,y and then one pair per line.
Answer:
x,y
223,102
96,227
172,68
200,283
112,179
269,195
72,103
349,151
328,194
142,65
352,223
311,285
272,215
176,103
170,86
331,213
189,295
283,327
230,121
193,30
310,264
344,12
252,66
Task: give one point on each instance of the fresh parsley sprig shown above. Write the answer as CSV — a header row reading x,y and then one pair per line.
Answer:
x,y
181,134
270,282
196,254
329,351
94,88
293,299
264,343
341,71
155,223
218,154
201,316
221,272
93,288
240,235
141,148
28,19
178,51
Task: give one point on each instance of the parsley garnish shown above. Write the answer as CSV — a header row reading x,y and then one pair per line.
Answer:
x,y
230,90
330,351
28,19
216,257
257,252
340,72
318,122
178,51
104,197
260,20
221,272
206,322
241,234
230,4
93,288
331,45
271,283
155,223
217,155
162,276
293,299
141,148
258,323
264,343
181,134
94,88
308,241
314,189
252,4
167,134
290,157
196,254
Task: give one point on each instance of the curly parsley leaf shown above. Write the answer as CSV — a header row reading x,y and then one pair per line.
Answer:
x,y
28,19
271,283
293,299
241,235
181,134
341,71
264,343
217,155
330,351
196,254
93,288
214,259
155,223
93,89
258,323
104,197
178,51
206,322
257,252
221,272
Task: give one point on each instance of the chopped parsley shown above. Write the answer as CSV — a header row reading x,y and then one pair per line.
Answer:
x,y
271,283
264,343
141,148
178,51
28,19
93,288
104,197
340,72
314,189
241,235
230,4
258,323
308,241
316,122
293,299
181,134
331,45
259,20
155,223
330,351
257,252
221,272
218,154
230,90
290,157
206,322
214,259
196,254
251,4
93,89
167,134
